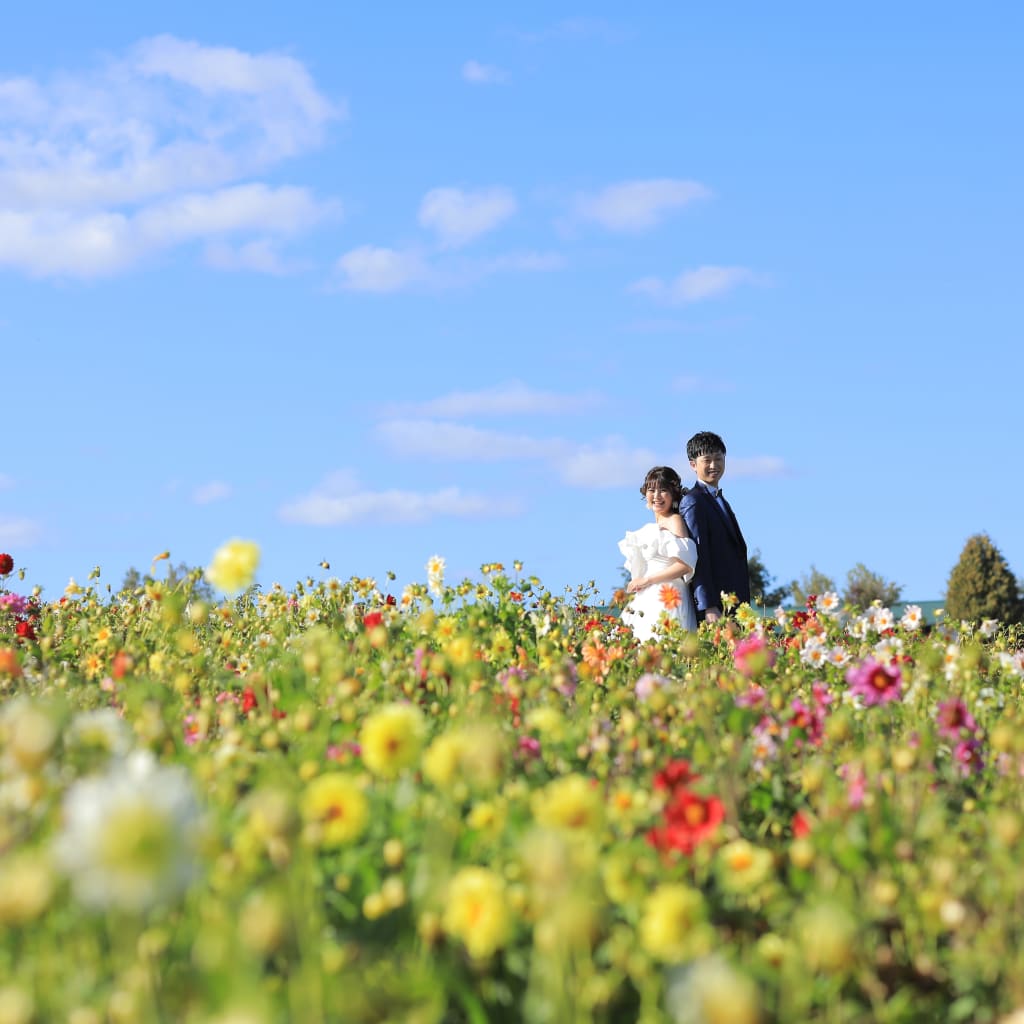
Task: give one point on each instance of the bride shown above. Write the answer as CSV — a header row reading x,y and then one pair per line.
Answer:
x,y
660,557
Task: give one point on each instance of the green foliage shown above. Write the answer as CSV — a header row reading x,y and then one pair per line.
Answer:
x,y
864,587
762,583
981,585
813,582
178,576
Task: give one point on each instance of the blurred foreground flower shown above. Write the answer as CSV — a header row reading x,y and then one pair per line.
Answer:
x,y
477,912
711,991
234,565
337,804
874,682
392,738
130,837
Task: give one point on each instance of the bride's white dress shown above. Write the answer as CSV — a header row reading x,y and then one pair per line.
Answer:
x,y
649,550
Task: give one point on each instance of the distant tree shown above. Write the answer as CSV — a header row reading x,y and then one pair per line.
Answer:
x,y
864,587
981,585
813,582
762,583
176,574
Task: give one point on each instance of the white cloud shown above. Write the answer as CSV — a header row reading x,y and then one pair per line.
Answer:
x,y
94,244
526,262
760,466
150,151
19,533
510,399
215,490
260,256
638,205
442,440
458,216
612,463
482,74
338,502
695,285
373,268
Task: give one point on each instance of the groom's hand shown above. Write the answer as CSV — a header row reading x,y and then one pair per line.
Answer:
x,y
712,615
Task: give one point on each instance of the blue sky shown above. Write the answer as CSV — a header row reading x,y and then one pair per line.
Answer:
x,y
373,284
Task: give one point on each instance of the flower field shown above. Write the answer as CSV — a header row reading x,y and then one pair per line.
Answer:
x,y
483,802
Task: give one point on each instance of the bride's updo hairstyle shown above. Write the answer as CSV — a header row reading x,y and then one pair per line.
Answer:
x,y
668,479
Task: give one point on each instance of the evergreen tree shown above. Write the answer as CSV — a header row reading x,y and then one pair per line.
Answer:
x,y
813,582
981,585
864,587
762,583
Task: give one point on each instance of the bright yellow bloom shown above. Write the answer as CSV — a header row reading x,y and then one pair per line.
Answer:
x,y
671,913
234,565
391,739
548,721
741,866
474,755
338,805
477,911
441,760
26,887
460,651
572,802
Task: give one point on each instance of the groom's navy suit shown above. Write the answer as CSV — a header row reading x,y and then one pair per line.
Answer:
x,y
721,550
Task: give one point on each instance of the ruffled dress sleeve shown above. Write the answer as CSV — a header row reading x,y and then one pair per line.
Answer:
x,y
631,546
683,548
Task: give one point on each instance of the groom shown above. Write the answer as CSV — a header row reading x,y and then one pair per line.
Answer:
x,y
721,549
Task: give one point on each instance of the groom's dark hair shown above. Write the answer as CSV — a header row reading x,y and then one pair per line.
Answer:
x,y
704,443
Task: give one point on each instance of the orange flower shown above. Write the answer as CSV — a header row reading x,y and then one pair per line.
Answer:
x,y
595,654
670,597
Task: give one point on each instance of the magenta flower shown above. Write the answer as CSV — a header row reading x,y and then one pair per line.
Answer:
x,y
874,682
969,757
755,697
954,720
753,656
14,603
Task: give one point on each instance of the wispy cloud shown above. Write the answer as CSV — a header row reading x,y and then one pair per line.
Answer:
x,y
83,244
610,462
695,285
207,494
338,501
372,268
458,216
638,205
457,441
483,74
6,482
759,466
100,168
513,398
19,533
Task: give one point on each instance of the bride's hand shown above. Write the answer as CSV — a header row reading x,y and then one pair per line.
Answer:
x,y
635,586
